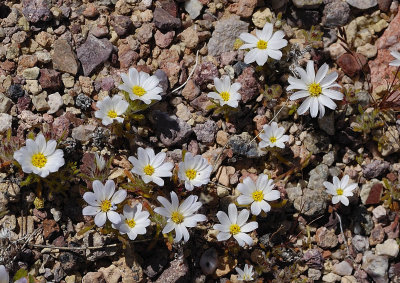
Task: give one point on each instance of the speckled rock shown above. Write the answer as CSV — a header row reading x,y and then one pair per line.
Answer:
x,y
205,133
375,169
326,238
225,33
336,14
36,10
250,87
165,21
376,266
178,271
121,24
362,4
50,79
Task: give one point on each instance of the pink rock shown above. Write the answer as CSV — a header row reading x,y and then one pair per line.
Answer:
x,y
381,72
245,8
164,40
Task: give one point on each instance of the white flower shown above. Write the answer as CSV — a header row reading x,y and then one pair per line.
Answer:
x,y
133,221
151,167
111,109
194,170
141,86
40,157
4,277
273,136
396,61
264,44
316,88
102,202
100,162
340,189
226,93
257,194
246,274
235,225
180,216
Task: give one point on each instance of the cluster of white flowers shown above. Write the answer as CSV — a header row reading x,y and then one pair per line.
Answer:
x,y
139,86
246,274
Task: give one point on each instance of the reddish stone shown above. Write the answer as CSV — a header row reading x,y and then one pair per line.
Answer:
x,y
50,229
50,79
61,127
126,56
121,24
381,72
205,73
375,194
23,103
350,64
91,11
245,8
27,61
8,66
170,6
250,86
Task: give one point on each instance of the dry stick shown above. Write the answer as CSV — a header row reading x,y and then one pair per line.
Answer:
x,y
27,242
190,75
341,231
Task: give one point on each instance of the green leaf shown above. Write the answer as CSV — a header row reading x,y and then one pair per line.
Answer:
x,y
21,273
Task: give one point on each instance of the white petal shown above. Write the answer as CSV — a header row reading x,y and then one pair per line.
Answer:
x,y
90,210
100,219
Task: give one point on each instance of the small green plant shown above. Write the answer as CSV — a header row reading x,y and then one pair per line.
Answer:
x,y
391,194
367,121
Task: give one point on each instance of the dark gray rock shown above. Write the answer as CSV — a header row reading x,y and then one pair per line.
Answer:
x,y
93,53
336,14
375,169
165,21
36,10
243,145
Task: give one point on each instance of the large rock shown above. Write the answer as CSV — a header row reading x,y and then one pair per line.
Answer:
x,y
93,53
336,14
178,271
64,58
225,33
376,266
36,10
362,4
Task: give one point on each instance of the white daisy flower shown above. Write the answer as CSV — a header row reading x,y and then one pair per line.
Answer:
x,y
4,277
40,157
102,202
246,274
141,86
396,61
340,189
133,221
194,170
180,216
316,87
265,44
257,194
273,136
151,167
110,109
226,94
235,225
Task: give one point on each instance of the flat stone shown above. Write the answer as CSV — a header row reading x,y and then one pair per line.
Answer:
x,y
362,4
50,79
193,7
64,58
307,4
93,53
55,102
83,132
343,268
225,33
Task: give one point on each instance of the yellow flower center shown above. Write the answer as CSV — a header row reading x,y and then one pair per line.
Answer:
x,y
177,217
130,222
258,195
261,44
339,192
272,139
105,205
138,90
225,95
112,114
314,89
191,174
39,160
234,229
148,169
